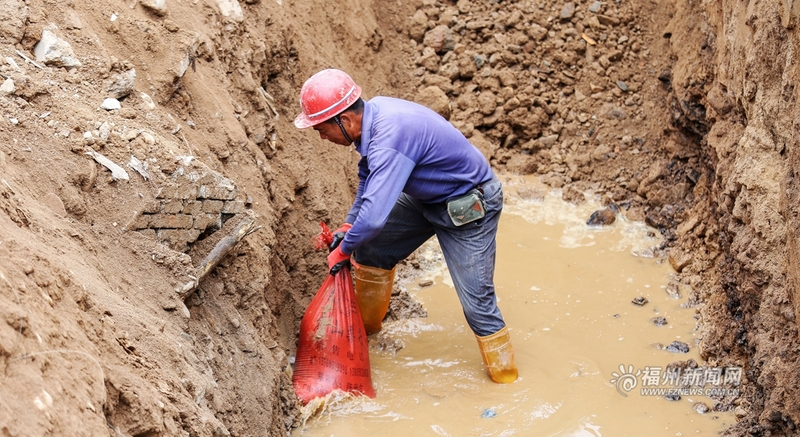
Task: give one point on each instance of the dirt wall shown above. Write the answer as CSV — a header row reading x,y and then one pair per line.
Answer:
x,y
95,338
739,86
680,113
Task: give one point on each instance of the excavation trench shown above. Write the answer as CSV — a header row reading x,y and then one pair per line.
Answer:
x,y
566,292
683,113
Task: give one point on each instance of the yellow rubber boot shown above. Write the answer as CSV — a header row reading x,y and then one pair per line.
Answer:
x,y
373,292
498,355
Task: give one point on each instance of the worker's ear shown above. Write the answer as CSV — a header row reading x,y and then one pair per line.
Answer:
x,y
351,122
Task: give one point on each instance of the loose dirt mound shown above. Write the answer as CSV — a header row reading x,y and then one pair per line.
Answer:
x,y
676,113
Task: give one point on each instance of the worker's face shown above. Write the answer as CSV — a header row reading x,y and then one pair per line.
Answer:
x,y
329,130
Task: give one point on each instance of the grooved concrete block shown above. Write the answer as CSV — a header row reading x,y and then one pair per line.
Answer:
x,y
207,179
219,192
138,221
149,233
141,221
151,207
212,206
172,206
180,191
171,221
233,207
205,221
192,207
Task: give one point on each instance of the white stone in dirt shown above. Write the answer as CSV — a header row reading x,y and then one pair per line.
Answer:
x,y
129,134
105,130
568,11
184,310
183,66
148,138
157,6
13,16
13,63
7,87
52,201
110,104
117,172
54,51
121,84
148,101
548,140
73,20
231,9
140,167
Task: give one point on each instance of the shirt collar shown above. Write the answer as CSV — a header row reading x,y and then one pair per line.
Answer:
x,y
366,128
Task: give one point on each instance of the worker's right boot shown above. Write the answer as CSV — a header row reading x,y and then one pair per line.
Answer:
x,y
373,292
498,356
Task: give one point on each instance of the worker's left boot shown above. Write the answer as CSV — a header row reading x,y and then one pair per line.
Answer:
x,y
373,293
498,355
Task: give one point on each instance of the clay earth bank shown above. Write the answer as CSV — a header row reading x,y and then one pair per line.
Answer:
x,y
136,135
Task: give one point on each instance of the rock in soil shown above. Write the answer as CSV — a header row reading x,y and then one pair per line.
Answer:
x,y
603,217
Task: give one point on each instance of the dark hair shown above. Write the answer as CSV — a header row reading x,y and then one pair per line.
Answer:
x,y
356,108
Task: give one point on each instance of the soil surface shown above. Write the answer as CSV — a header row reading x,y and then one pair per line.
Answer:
x,y
136,135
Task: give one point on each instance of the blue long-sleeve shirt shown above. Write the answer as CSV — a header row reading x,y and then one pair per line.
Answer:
x,y
406,147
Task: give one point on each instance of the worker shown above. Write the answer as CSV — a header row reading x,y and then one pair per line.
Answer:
x,y
418,177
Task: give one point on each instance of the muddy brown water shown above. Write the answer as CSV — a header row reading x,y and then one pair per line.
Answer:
x,y
565,291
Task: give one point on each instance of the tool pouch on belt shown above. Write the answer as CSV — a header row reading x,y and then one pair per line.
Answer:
x,y
467,208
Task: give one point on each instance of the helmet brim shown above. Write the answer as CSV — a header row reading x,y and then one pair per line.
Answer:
x,y
302,121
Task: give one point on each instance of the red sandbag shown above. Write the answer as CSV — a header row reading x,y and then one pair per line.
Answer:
x,y
333,350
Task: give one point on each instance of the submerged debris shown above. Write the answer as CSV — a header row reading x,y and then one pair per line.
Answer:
x,y
673,291
603,217
641,300
659,321
488,413
676,347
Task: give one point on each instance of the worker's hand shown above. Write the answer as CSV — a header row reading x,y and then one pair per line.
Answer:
x,y
337,260
338,235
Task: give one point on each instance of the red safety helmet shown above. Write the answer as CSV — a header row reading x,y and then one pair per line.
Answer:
x,y
324,95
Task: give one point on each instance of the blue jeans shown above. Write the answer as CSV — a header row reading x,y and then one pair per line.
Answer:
x,y
469,250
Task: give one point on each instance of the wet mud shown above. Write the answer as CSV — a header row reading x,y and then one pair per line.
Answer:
x,y
565,290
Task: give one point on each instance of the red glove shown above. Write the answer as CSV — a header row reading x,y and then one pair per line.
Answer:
x,y
343,228
337,260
